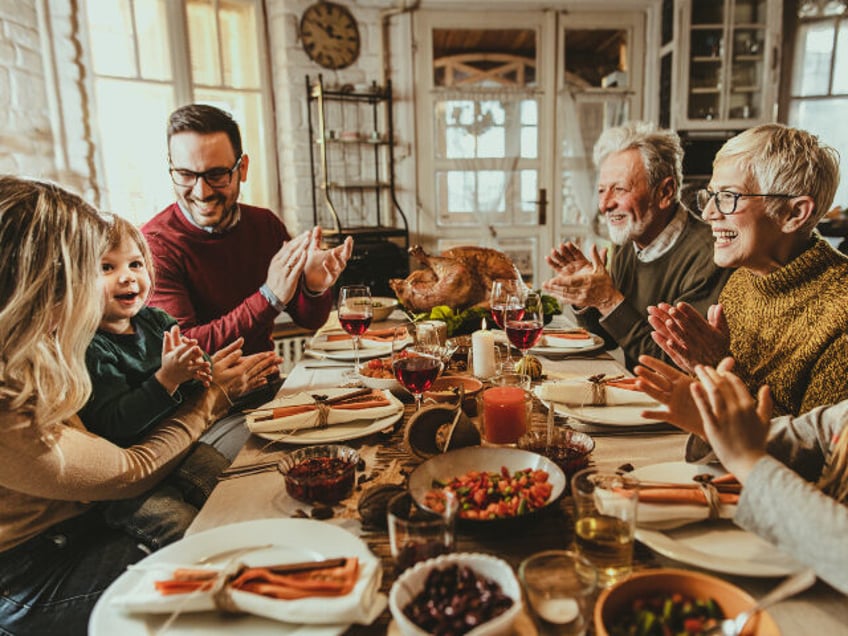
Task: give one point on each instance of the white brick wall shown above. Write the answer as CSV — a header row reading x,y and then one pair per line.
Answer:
x,y
26,138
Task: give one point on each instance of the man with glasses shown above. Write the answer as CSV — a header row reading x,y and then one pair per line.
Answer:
x,y
661,251
225,269
783,314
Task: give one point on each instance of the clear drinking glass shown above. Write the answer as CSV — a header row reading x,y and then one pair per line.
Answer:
x,y
507,301
355,313
417,358
525,329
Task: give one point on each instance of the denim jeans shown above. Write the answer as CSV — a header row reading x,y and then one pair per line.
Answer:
x,y
162,515
49,584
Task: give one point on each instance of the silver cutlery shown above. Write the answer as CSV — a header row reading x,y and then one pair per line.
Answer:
x,y
795,584
248,469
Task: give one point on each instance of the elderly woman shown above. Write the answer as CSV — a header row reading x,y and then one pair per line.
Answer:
x,y
57,555
782,314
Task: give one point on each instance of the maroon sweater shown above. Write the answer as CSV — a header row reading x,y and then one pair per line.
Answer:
x,y
210,282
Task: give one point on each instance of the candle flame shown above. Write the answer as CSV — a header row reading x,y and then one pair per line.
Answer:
x,y
483,324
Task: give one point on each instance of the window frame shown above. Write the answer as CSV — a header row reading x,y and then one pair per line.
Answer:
x,y
183,88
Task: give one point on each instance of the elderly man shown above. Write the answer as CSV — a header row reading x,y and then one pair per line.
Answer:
x,y
661,251
783,315
225,269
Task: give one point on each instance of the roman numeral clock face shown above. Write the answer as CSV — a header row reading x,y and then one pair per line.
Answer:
x,y
329,35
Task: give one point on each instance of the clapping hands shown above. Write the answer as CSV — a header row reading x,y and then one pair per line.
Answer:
x,y
182,360
581,281
237,374
303,256
687,337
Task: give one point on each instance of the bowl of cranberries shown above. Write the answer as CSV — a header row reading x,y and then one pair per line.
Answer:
x,y
320,474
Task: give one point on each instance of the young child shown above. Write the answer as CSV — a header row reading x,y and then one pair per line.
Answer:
x,y
141,370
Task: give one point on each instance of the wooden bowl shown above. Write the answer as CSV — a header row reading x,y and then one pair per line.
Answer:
x,y
446,388
618,599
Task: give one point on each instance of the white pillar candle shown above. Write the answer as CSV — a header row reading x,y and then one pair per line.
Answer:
x,y
483,353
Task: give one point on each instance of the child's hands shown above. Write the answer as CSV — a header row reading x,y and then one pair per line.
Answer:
x,y
182,360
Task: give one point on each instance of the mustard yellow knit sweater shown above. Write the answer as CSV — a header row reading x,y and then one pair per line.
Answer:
x,y
789,329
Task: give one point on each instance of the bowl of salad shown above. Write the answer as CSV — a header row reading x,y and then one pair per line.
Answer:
x,y
672,601
493,485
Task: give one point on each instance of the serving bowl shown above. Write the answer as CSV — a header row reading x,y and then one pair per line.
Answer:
x,y
413,580
320,474
382,383
617,600
442,468
382,307
569,449
446,388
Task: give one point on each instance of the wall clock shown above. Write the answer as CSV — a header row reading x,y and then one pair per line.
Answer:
x,y
329,35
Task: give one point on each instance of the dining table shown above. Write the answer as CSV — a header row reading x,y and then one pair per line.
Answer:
x,y
820,610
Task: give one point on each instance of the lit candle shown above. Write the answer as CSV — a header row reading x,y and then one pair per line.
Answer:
x,y
504,414
483,352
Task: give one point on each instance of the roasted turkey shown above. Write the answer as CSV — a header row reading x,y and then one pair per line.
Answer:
x,y
461,277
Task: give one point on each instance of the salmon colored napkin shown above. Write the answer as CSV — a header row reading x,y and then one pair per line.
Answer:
x,y
582,392
378,335
573,339
336,581
300,411
337,596
669,507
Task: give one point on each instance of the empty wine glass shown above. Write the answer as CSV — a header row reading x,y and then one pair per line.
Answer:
x,y
355,314
417,358
507,301
525,330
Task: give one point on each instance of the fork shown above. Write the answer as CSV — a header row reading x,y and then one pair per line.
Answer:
x,y
795,584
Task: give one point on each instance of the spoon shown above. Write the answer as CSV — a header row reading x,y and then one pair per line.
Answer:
x,y
795,584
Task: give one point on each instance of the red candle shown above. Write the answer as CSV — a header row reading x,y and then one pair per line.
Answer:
x,y
504,414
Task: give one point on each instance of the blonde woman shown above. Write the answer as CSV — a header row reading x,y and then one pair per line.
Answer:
x,y
56,554
794,469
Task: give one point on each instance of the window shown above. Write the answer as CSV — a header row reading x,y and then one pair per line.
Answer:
x,y
150,56
820,78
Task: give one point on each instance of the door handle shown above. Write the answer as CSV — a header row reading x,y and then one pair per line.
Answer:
x,y
542,202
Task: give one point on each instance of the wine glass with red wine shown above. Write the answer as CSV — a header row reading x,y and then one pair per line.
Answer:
x,y
507,302
417,358
355,314
525,330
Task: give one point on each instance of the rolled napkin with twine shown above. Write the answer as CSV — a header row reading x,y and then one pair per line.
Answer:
x,y
596,390
376,335
571,339
665,506
342,595
312,410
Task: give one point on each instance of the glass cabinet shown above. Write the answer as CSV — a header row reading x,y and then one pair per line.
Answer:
x,y
729,63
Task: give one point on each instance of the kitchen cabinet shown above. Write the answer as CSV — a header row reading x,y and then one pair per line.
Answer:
x,y
351,154
728,63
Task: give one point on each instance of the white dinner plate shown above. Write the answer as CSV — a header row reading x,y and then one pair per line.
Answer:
x,y
624,416
339,432
544,350
294,539
720,546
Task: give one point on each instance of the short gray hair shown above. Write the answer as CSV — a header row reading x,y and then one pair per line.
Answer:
x,y
660,149
777,159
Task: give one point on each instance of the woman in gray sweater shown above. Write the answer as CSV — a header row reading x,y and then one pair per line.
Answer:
x,y
794,469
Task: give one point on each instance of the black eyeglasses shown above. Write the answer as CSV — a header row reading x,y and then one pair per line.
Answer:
x,y
215,178
726,201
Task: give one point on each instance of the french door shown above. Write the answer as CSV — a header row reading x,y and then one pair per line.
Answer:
x,y
508,107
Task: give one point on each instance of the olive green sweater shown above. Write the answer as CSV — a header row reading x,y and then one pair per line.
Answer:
x,y
789,329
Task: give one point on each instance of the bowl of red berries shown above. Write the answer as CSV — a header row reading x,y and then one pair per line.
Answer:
x,y
320,474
